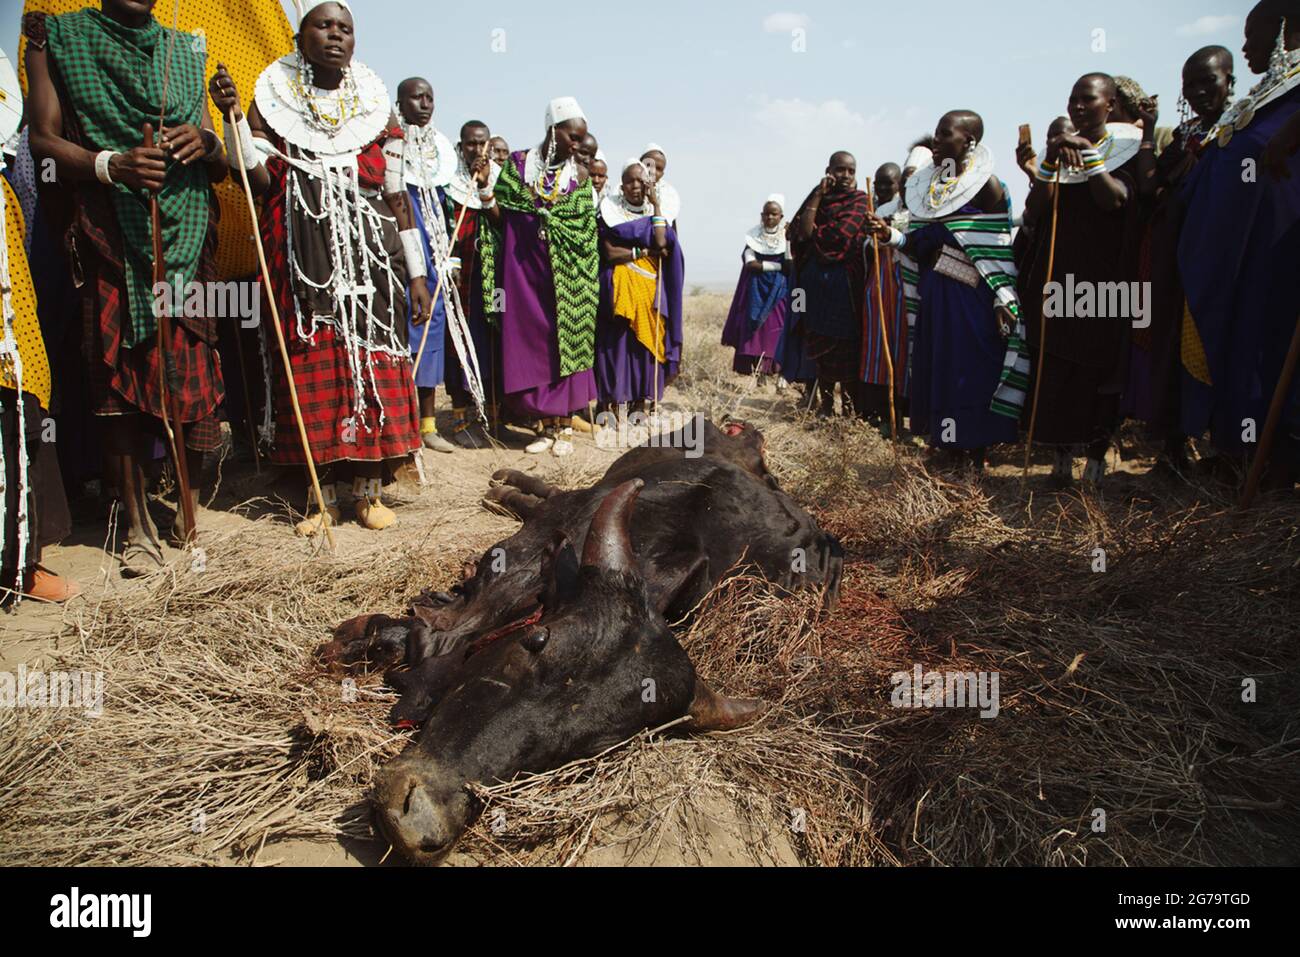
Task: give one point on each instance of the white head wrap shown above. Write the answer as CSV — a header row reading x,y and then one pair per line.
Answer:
x,y
778,198
600,155
918,158
629,163
562,109
654,148
305,7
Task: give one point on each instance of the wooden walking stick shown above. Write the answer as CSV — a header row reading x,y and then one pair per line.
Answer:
x,y
884,331
1042,325
1274,421
168,374
279,333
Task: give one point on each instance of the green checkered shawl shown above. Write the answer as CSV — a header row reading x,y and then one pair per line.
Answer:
x,y
113,76
986,239
575,263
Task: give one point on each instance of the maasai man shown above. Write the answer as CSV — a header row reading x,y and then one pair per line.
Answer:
x,y
669,198
1238,253
1154,374
830,232
429,161
639,328
33,509
328,164
875,371
1087,327
762,300
94,80
547,268
499,151
969,372
472,182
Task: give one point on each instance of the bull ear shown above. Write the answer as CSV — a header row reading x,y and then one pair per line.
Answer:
x,y
674,591
609,539
711,711
559,572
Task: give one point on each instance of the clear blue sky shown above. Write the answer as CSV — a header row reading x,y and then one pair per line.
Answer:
x,y
740,113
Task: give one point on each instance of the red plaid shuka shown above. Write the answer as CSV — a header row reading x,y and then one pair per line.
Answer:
x,y
125,381
322,375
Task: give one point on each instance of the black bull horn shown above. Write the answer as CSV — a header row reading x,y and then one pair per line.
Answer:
x,y
609,541
609,547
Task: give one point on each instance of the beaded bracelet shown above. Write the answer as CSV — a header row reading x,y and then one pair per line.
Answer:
x,y
1046,171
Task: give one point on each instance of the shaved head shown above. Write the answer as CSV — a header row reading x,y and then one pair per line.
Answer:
x,y
1215,57
409,85
842,158
1105,81
970,121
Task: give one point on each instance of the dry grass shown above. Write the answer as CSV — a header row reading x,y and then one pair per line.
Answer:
x,y
1120,691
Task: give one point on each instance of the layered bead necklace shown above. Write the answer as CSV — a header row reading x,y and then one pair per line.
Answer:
x,y
326,110
936,198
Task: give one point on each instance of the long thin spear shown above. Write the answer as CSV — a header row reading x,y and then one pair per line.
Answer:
x,y
279,333
1042,320
884,331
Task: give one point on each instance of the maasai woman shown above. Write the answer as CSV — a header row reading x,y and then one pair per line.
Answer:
x,y
95,78
969,372
546,267
876,371
341,238
1083,370
471,183
33,509
831,230
1239,248
1154,381
762,300
639,328
669,199
428,164
599,178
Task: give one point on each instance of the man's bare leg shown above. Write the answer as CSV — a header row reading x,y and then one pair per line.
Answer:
x,y
124,453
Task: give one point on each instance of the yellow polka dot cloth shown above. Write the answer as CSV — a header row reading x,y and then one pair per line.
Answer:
x,y
245,35
1194,360
27,329
634,300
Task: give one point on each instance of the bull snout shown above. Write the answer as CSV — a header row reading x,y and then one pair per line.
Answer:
x,y
420,814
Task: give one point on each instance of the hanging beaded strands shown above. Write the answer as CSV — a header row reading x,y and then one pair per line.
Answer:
x,y
10,361
430,163
323,132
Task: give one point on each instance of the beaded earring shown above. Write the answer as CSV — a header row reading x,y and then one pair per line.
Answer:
x,y
1184,111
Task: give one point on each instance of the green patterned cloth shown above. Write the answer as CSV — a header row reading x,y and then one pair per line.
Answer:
x,y
986,240
570,227
113,76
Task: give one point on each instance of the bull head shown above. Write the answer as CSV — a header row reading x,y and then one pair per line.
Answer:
x,y
597,667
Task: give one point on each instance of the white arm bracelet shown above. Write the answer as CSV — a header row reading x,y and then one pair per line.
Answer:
x,y
896,239
394,182
246,158
413,248
771,267
102,160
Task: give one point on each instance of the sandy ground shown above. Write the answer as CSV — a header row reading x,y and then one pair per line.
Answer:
x,y
235,497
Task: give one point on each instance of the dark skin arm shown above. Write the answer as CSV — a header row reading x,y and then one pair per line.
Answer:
x,y
805,224
225,97
1147,183
1109,193
138,168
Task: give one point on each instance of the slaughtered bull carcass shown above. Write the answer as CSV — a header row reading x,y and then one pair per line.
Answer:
x,y
557,644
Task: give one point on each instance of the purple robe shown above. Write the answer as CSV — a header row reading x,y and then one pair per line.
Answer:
x,y
530,354
626,371
756,348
